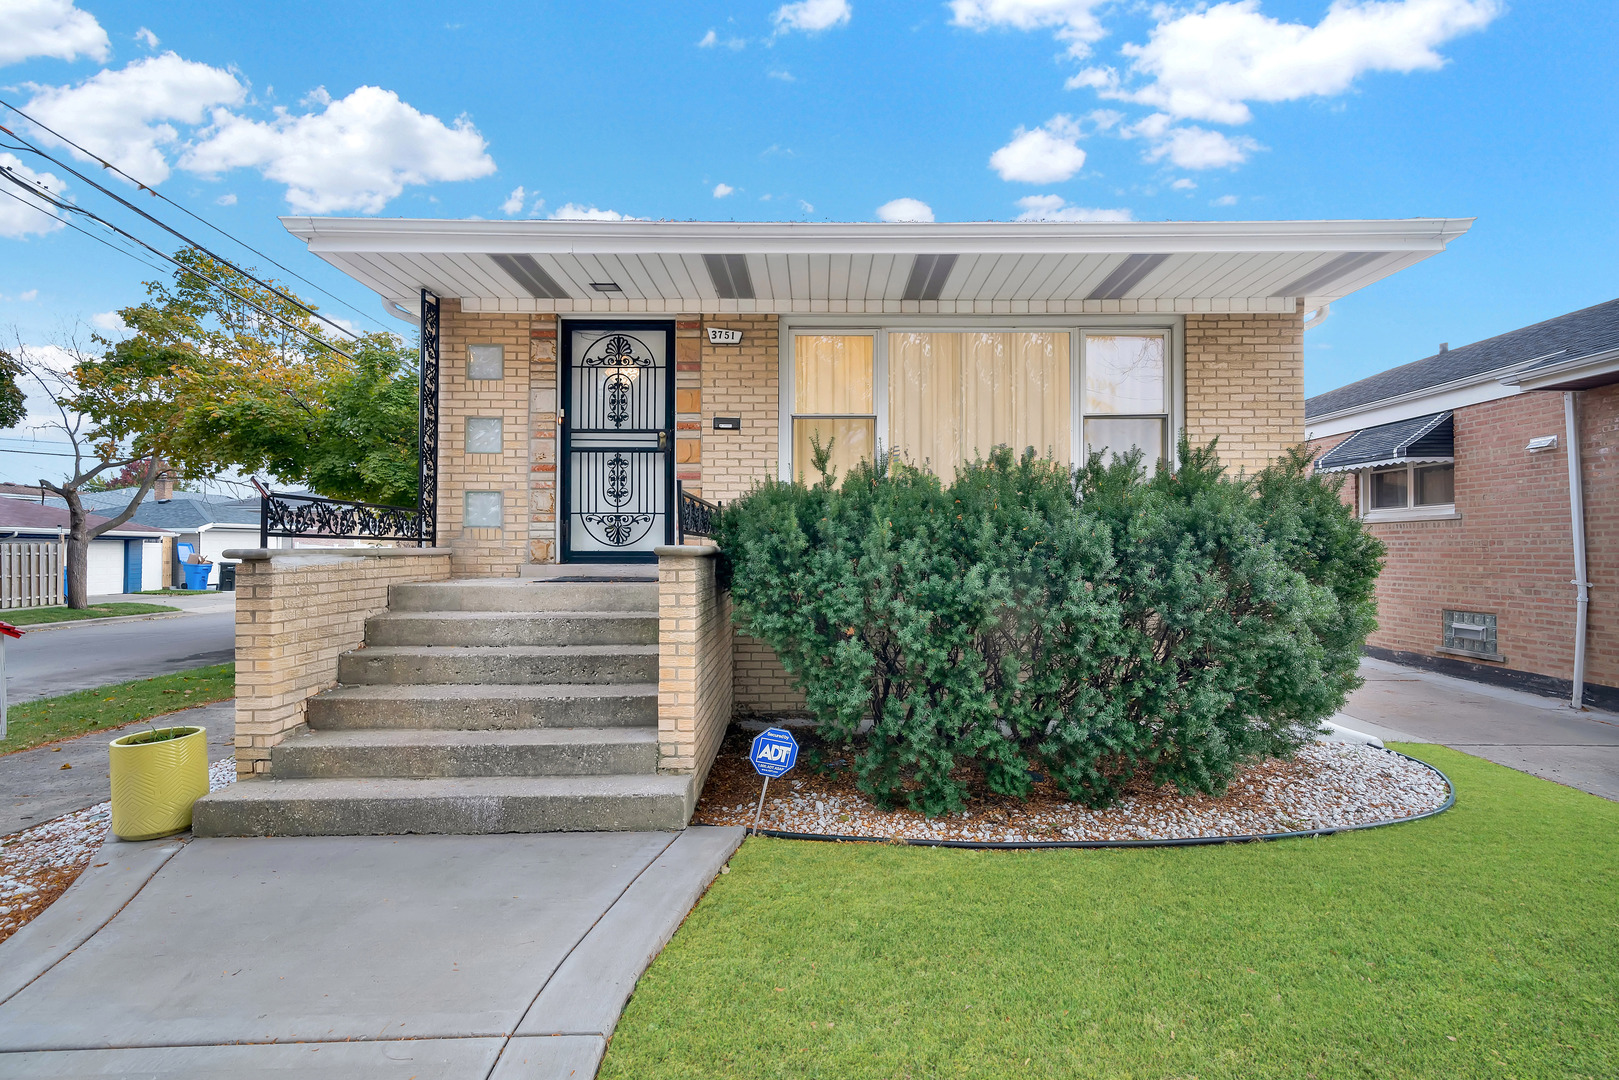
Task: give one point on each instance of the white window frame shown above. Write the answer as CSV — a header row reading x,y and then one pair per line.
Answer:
x,y
1171,326
1410,511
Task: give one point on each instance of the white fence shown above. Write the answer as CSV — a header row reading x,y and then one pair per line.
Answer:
x,y
30,573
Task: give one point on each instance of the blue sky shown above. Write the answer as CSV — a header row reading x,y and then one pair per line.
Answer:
x,y
831,109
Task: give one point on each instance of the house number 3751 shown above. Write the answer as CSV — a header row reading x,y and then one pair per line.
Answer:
x,y
720,336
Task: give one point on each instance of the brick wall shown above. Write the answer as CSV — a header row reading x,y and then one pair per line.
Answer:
x,y
295,615
1245,384
740,380
694,660
1511,551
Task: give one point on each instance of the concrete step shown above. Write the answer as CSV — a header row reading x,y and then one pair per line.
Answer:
x,y
418,665
515,594
512,628
484,804
405,753
486,707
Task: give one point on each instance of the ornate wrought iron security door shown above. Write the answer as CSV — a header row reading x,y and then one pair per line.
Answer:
x,y
617,440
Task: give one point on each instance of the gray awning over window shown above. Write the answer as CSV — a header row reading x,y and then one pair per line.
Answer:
x,y
1430,438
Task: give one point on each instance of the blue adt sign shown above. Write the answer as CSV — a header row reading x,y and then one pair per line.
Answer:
x,y
774,752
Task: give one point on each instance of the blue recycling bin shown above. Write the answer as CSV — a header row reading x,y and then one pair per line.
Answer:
x,y
197,574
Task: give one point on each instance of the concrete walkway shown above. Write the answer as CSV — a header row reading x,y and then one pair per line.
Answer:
x,y
34,786
1533,734
387,956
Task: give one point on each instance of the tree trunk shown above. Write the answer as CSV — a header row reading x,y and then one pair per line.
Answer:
x,y
78,552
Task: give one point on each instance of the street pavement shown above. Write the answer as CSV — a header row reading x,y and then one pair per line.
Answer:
x,y
356,957
1537,735
35,786
60,659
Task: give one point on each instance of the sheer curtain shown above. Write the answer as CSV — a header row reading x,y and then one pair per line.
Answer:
x,y
833,401
955,396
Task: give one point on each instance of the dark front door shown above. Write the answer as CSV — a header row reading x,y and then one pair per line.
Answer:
x,y
618,421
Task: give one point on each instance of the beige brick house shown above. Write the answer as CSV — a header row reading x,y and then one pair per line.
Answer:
x,y
576,372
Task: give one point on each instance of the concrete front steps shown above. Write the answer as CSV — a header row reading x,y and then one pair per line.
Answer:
x,y
476,707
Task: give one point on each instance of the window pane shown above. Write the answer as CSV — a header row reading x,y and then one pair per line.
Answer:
x,y
1436,485
1125,374
853,439
832,374
952,397
1118,436
483,435
486,361
484,510
1388,490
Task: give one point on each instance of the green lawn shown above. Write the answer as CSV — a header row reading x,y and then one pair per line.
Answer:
x,y
31,723
35,616
1480,943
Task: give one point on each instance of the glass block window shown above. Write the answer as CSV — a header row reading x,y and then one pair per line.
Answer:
x,y
484,435
484,510
486,361
1470,632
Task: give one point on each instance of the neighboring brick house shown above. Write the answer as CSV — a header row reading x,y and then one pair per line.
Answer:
x,y
1461,464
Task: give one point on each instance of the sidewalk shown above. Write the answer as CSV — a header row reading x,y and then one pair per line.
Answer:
x,y
379,956
34,786
1533,734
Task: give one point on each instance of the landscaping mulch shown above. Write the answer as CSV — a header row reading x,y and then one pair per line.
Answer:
x,y
38,863
1325,786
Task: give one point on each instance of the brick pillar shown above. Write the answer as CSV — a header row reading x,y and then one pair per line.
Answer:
x,y
694,660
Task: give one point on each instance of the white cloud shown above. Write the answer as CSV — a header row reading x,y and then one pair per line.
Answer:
x,y
514,202
1184,184
784,76
905,210
1225,200
28,296
108,322
1074,20
811,15
807,207
1208,64
1056,208
1191,147
19,219
227,199
1042,156
722,190
125,115
709,40
53,28
576,212
355,153
146,37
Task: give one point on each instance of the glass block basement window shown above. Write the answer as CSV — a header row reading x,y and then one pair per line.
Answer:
x,y
1470,632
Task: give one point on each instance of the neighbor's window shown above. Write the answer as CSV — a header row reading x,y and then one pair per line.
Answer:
x,y
834,400
486,361
1471,632
1126,398
1409,487
956,396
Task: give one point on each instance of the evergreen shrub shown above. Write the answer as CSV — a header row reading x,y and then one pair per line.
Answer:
x,y
1101,625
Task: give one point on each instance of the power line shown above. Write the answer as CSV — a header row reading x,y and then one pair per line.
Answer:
x,y
164,225
154,267
40,191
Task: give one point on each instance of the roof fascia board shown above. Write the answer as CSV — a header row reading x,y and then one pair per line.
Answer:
x,y
767,238
1581,367
1446,398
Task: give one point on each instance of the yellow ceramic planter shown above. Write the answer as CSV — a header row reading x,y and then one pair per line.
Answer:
x,y
155,783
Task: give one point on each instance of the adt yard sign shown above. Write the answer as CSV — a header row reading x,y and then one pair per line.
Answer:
x,y
774,752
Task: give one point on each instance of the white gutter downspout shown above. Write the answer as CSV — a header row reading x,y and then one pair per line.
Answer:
x,y
1576,514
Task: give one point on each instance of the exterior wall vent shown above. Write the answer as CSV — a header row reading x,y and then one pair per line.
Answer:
x,y
1471,633
730,276
1126,276
531,276
928,275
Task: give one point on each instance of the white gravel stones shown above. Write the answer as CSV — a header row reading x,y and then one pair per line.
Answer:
x,y
1325,786
40,862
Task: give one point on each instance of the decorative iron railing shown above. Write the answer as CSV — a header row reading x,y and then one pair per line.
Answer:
x,y
310,517
698,516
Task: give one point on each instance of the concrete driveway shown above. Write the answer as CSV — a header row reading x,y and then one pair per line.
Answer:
x,y
381,956
67,657
1534,734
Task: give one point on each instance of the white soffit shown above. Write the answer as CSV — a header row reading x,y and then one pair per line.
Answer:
x,y
873,268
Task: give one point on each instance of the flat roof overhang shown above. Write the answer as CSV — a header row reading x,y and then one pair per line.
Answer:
x,y
966,268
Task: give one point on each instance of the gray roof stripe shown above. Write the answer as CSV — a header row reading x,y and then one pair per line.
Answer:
x,y
1320,278
1126,276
